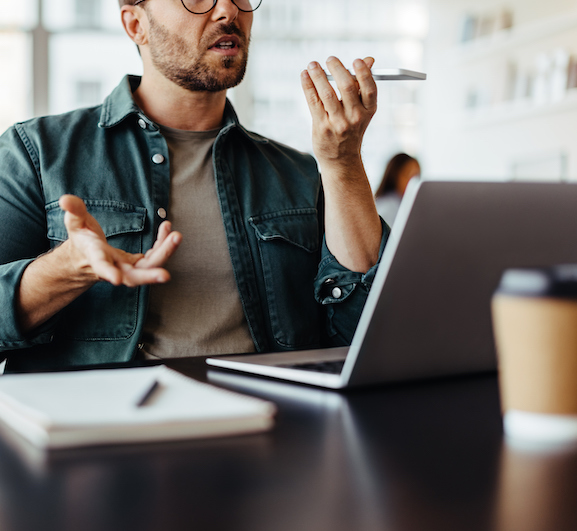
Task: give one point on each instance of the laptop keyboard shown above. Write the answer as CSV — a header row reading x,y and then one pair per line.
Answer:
x,y
329,367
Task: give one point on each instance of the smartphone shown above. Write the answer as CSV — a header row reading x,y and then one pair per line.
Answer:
x,y
388,74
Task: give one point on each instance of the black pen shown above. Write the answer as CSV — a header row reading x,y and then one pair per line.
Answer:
x,y
149,392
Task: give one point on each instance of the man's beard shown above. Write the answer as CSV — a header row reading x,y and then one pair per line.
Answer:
x,y
170,52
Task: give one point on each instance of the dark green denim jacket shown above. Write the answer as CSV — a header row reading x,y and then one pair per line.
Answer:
x,y
116,159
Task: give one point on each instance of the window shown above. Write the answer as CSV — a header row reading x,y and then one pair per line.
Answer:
x,y
58,55
16,22
88,93
88,13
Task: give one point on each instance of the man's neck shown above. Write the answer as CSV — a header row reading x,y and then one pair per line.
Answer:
x,y
167,104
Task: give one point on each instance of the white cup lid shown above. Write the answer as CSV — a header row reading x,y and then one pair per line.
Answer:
x,y
538,429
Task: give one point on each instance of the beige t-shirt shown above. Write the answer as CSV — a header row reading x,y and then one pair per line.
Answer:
x,y
199,311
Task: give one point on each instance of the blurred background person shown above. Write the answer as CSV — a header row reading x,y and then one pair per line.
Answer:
x,y
399,171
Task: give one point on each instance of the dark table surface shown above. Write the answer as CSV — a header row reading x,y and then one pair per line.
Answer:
x,y
418,456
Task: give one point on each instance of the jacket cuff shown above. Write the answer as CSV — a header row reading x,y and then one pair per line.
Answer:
x,y
11,336
335,283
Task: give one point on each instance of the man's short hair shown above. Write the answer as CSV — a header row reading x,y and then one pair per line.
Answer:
x,y
125,2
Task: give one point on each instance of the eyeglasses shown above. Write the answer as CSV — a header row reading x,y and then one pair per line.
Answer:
x,y
201,7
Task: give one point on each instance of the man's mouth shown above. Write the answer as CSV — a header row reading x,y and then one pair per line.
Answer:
x,y
226,43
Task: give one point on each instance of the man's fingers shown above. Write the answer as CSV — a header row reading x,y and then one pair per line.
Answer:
x,y
325,92
76,216
163,249
73,204
163,231
134,276
356,91
115,265
128,275
120,267
369,61
106,270
316,107
346,83
367,85
75,212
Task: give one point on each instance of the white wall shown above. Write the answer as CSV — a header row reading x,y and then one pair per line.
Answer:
x,y
496,106
77,57
14,79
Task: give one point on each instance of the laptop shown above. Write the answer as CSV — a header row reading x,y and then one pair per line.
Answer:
x,y
428,313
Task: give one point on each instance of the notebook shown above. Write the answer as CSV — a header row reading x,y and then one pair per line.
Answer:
x,y
428,313
111,406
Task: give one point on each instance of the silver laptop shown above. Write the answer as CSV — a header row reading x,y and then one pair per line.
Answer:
x,y
428,313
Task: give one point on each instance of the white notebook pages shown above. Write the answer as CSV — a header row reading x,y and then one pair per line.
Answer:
x,y
93,407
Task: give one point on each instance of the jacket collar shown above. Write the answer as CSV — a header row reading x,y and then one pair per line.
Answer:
x,y
120,104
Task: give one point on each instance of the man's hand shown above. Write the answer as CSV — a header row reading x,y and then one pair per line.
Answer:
x,y
339,124
353,228
55,279
93,256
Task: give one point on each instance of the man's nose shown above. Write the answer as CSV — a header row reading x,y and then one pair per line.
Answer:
x,y
225,10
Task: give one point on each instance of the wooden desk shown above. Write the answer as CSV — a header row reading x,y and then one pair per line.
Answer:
x,y
426,456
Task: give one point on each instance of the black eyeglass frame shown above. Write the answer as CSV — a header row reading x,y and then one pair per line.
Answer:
x,y
209,10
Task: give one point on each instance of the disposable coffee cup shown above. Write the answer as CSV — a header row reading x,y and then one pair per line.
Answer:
x,y
535,326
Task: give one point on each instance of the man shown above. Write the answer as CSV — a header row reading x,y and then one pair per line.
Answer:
x,y
82,194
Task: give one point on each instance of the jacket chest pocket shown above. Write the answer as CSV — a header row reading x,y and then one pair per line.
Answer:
x,y
288,244
104,312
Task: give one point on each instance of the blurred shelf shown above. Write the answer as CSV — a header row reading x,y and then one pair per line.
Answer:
x,y
329,34
517,36
511,111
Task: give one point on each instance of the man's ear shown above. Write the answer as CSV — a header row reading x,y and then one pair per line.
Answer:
x,y
135,23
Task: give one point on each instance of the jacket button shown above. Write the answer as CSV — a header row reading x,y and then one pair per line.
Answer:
x,y
157,158
161,213
142,123
337,293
